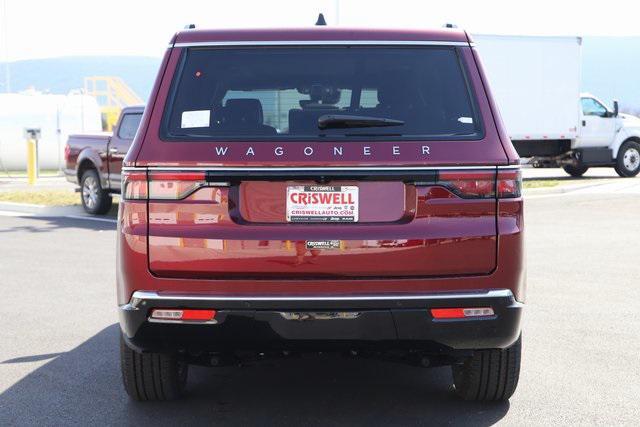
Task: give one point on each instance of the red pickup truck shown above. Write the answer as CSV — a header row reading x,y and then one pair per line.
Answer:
x,y
321,189
94,161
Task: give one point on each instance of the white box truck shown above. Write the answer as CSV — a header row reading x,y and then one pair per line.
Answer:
x,y
536,81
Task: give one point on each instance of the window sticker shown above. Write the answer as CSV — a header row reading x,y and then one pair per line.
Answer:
x,y
195,119
467,120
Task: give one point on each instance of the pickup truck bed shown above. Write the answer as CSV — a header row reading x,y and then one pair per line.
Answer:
x,y
94,161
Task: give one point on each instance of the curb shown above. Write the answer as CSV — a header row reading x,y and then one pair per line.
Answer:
x,y
561,189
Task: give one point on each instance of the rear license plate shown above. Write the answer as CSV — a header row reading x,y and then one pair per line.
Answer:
x,y
322,203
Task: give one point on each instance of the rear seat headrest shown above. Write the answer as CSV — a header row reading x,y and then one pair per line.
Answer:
x,y
246,111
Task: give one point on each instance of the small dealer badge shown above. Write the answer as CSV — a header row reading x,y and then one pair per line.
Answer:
x,y
323,244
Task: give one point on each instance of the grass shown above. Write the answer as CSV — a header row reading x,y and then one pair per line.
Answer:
x,y
50,198
543,183
42,197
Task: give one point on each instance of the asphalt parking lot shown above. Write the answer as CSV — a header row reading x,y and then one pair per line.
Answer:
x,y
581,363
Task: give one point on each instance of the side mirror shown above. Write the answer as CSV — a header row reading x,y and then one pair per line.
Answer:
x,y
616,108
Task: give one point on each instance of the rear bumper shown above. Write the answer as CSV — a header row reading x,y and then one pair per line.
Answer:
x,y
264,322
71,176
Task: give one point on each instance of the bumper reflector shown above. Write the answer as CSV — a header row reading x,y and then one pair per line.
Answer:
x,y
186,315
461,313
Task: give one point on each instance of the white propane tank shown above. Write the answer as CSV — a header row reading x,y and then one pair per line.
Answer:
x,y
56,116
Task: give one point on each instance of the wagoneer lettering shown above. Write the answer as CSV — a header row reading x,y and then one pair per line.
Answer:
x,y
349,171
338,151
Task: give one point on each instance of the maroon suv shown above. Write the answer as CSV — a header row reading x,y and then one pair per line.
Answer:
x,y
315,190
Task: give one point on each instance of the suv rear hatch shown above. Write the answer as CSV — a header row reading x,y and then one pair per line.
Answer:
x,y
366,105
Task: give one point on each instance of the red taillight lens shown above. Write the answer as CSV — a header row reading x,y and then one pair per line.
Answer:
x,y
469,185
479,184
461,313
174,185
188,315
163,185
509,184
67,151
134,185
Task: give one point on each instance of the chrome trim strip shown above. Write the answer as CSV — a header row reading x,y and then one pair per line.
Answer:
x,y
313,168
324,43
139,296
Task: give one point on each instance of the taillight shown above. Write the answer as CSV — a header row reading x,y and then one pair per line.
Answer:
x,y
183,315
509,184
469,184
134,185
67,151
174,185
461,313
164,185
476,184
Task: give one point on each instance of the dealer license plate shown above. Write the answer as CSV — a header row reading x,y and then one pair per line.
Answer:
x,y
322,203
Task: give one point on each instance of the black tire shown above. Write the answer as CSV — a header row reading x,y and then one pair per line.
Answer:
x,y
490,375
152,376
575,171
95,200
628,161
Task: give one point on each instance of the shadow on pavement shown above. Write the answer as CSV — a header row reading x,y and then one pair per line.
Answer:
x,y
32,358
83,386
45,224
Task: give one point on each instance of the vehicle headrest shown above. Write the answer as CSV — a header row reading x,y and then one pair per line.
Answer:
x,y
243,111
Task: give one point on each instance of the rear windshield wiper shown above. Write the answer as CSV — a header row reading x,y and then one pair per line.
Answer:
x,y
342,121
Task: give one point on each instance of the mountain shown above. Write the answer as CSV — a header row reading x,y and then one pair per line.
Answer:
x,y
60,75
611,70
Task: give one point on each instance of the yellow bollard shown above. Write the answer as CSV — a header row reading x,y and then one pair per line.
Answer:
x,y
32,160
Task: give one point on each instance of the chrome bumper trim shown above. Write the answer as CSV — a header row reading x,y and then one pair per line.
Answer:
x,y
139,296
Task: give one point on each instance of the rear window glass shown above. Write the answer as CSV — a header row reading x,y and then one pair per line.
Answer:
x,y
284,93
129,125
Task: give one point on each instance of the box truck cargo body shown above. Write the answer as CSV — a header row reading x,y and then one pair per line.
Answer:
x,y
536,82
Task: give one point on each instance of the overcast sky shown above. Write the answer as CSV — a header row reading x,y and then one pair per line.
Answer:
x,y
39,29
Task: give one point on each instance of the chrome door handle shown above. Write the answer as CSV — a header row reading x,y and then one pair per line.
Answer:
x,y
113,150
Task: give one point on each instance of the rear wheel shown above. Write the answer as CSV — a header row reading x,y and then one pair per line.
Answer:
x,y
628,161
575,171
489,375
152,376
95,199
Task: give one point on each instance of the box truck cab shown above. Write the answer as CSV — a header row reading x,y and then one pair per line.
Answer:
x,y
606,138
